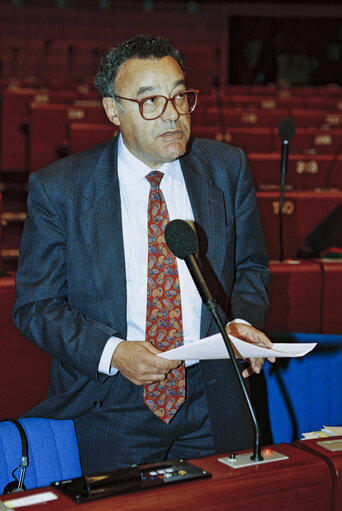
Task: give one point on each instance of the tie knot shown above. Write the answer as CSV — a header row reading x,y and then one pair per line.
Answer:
x,y
154,178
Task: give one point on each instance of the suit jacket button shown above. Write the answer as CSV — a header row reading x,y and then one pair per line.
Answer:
x,y
97,403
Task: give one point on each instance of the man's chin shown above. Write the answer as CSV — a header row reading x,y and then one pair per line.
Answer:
x,y
173,151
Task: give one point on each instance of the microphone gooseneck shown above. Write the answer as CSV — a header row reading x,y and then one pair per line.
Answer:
x,y
286,130
181,239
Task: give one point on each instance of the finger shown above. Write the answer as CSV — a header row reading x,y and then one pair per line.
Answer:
x,y
161,362
271,359
248,333
256,365
247,372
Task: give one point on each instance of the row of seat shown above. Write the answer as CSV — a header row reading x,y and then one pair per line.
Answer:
x,y
305,296
263,117
230,99
15,123
301,214
40,126
35,124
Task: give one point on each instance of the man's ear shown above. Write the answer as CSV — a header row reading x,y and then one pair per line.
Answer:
x,y
111,109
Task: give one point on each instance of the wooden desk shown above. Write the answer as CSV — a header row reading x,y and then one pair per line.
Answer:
x,y
301,483
334,461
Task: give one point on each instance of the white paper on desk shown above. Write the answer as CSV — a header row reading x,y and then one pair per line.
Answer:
x,y
214,348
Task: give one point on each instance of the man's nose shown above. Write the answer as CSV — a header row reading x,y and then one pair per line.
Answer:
x,y
170,112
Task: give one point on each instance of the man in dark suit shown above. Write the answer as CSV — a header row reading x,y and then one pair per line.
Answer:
x,y
81,279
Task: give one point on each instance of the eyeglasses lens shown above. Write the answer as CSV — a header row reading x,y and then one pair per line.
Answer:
x,y
184,102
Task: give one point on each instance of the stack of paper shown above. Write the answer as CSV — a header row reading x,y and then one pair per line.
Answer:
x,y
214,348
326,431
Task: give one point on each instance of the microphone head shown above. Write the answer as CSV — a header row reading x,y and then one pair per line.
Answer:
x,y
286,129
180,238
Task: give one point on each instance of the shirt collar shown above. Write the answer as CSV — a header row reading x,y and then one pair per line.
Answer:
x,y
132,170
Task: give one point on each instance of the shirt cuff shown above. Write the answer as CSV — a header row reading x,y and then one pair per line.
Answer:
x,y
238,320
106,357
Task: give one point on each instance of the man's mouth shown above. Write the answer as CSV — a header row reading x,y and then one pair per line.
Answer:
x,y
172,134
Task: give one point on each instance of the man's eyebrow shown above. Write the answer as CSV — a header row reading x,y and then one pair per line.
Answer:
x,y
149,88
180,82
143,90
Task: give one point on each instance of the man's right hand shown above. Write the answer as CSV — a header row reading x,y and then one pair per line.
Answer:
x,y
137,361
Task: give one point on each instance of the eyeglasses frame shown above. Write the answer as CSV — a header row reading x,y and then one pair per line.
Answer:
x,y
172,99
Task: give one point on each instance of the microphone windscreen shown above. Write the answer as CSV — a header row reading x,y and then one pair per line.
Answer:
x,y
180,238
286,128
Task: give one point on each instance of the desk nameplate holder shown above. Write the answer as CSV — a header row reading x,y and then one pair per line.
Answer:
x,y
245,460
331,445
130,479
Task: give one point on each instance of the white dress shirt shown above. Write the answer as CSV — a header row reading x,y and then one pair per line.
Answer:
x,y
134,193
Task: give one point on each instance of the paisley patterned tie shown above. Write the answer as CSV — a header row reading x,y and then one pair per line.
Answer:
x,y
164,327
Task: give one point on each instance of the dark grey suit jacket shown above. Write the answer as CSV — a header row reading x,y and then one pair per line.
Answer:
x,y
71,285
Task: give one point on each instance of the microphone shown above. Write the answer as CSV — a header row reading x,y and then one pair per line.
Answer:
x,y
286,130
181,239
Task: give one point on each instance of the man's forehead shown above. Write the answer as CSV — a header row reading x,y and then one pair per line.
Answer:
x,y
143,75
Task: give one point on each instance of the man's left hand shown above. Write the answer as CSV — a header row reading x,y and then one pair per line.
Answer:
x,y
250,334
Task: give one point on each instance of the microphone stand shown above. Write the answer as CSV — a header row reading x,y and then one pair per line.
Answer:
x,y
241,460
283,168
182,241
256,456
197,275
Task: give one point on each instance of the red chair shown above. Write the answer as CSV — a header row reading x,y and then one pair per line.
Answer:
x,y
314,140
310,117
250,139
48,129
253,117
0,233
246,101
14,122
85,136
304,171
13,137
25,368
295,296
332,296
325,102
302,211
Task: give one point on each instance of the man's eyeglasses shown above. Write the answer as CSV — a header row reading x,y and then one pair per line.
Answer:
x,y
153,107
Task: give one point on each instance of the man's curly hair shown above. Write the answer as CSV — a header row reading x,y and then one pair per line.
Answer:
x,y
141,47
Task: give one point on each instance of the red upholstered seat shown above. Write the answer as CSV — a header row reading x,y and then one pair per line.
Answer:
x,y
83,136
0,231
24,368
295,295
304,171
331,296
14,122
48,128
302,211
233,117
313,140
250,139
325,102
309,117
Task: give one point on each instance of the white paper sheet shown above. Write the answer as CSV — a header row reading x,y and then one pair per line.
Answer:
x,y
30,500
214,348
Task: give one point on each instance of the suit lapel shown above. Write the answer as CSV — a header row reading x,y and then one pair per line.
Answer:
x,y
209,209
101,224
